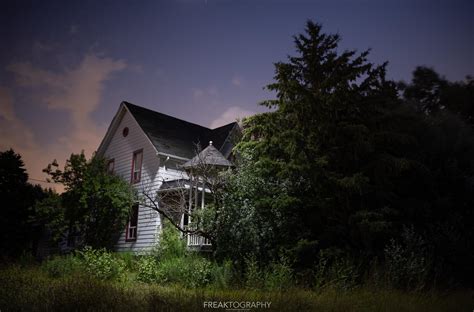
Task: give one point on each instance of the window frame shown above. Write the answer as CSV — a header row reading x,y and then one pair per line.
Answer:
x,y
135,210
134,158
109,162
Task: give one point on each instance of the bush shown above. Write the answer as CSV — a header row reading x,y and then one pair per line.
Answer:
x,y
406,261
147,269
62,266
102,264
253,275
221,275
200,271
129,258
171,245
279,276
334,270
189,271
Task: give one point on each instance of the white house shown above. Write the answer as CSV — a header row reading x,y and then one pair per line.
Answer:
x,y
149,149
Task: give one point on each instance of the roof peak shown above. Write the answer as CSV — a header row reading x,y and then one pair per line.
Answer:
x,y
208,156
128,104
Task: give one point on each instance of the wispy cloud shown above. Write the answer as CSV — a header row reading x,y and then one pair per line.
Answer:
x,y
236,81
209,92
230,115
77,91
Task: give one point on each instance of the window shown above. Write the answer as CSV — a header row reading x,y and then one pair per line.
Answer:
x,y
110,165
132,225
137,166
125,132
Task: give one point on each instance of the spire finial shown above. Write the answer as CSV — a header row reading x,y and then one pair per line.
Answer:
x,y
210,142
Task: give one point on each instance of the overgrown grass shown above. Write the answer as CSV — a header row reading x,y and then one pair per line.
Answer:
x,y
172,278
33,289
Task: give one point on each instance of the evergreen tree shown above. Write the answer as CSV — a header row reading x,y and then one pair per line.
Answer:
x,y
18,197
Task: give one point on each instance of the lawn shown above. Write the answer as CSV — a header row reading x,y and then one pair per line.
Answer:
x,y
29,288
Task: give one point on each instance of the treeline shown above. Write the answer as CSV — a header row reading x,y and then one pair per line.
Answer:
x,y
350,167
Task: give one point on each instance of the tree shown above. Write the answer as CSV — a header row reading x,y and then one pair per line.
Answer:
x,y
315,141
354,163
95,205
430,93
18,197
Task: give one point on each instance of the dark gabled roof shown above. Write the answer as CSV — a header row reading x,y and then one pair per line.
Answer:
x,y
208,156
174,136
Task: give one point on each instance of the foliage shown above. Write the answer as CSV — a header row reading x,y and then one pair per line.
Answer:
x,y
278,275
342,161
334,270
222,275
172,263
251,215
102,264
147,268
430,93
17,233
407,261
170,245
95,204
61,266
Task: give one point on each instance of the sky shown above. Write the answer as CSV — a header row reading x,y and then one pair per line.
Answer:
x,y
65,66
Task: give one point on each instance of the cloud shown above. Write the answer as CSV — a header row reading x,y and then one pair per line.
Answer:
x,y
209,92
17,135
236,81
76,91
230,115
197,93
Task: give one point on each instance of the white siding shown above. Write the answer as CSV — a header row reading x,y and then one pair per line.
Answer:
x,y
121,150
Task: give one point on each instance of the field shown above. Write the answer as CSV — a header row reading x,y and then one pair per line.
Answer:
x,y
29,288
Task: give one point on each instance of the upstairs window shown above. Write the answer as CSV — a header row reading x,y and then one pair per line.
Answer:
x,y
132,225
110,166
137,166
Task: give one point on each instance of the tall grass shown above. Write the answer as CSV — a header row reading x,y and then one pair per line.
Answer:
x,y
32,289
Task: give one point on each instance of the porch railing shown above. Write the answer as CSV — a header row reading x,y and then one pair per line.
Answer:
x,y
197,240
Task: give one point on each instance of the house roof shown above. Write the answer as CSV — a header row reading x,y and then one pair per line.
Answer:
x,y
208,156
174,136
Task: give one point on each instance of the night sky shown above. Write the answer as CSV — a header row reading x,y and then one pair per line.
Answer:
x,y
65,66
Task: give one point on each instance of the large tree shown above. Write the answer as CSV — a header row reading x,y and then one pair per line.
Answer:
x,y
345,163
315,140
431,93
18,197
95,204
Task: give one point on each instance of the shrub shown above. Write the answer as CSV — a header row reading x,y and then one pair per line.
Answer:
x,y
171,245
62,266
334,270
129,259
406,261
200,271
279,276
221,275
253,276
102,264
189,271
147,269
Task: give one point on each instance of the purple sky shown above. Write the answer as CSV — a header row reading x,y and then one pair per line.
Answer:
x,y
65,66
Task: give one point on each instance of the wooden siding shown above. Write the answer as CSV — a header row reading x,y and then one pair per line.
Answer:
x,y
121,150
